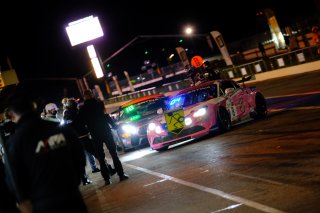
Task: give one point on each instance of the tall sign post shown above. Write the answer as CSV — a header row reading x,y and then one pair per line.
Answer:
x,y
129,81
83,31
222,46
275,30
183,56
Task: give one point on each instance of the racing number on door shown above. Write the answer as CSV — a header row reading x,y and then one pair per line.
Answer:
x,y
175,121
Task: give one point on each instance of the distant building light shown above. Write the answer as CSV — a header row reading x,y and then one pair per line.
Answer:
x,y
189,30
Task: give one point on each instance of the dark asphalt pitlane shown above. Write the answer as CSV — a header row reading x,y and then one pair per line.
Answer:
x,y
296,100
269,165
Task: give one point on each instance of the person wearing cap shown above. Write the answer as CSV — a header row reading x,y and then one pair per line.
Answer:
x,y
51,110
92,114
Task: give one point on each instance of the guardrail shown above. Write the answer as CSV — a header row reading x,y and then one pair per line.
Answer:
x,y
260,65
278,61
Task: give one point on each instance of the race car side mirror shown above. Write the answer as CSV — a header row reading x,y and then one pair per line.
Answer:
x,y
160,111
229,91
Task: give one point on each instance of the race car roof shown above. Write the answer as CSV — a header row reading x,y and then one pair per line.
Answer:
x,y
141,99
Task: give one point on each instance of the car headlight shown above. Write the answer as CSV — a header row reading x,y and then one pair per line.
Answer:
x,y
62,122
152,126
155,127
200,112
188,121
127,128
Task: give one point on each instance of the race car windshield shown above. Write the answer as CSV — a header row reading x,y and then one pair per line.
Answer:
x,y
144,109
192,97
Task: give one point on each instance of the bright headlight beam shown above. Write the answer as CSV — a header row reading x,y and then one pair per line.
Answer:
x,y
152,126
129,129
188,121
200,112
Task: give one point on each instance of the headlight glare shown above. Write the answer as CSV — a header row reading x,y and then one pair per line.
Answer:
x,y
188,121
127,128
152,126
200,112
158,129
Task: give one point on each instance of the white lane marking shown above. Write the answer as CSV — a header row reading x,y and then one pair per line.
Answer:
x,y
294,108
159,181
217,192
294,94
257,178
303,108
227,208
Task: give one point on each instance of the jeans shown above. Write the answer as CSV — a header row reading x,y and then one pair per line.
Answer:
x,y
92,161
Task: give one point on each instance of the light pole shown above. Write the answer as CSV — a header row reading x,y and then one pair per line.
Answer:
x,y
83,31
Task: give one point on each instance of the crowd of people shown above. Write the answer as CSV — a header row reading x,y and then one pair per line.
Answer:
x,y
44,157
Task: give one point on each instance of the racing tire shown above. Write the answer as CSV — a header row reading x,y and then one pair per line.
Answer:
x,y
224,122
261,107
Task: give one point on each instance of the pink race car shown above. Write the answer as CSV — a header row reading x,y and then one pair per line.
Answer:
x,y
211,106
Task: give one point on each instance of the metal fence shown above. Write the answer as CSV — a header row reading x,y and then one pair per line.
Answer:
x,y
277,61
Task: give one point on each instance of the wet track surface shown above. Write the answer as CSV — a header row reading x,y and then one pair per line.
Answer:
x,y
295,100
269,165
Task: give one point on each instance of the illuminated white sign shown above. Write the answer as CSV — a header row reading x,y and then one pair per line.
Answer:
x,y
84,30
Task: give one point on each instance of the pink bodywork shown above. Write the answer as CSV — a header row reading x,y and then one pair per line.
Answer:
x,y
239,103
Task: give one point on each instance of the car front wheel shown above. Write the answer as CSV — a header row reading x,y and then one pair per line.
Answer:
x,y
261,107
224,123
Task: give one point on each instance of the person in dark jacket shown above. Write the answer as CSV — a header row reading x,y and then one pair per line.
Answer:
x,y
69,115
211,70
92,114
8,126
8,202
47,161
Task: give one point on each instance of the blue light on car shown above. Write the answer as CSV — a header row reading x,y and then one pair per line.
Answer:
x,y
174,101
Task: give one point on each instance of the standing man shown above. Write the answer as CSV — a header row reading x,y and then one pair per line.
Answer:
x,y
46,162
92,114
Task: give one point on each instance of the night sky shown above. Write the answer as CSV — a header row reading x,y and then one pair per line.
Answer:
x,y
33,34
